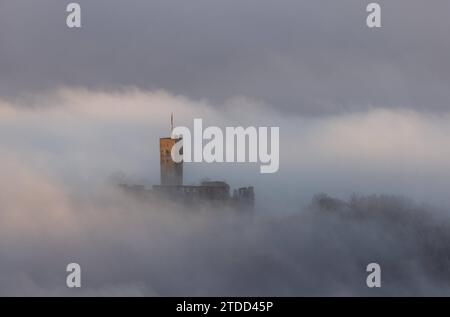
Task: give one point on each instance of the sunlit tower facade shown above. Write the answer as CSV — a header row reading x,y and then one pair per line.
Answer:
x,y
171,171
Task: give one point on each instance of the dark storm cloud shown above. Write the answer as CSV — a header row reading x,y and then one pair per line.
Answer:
x,y
307,57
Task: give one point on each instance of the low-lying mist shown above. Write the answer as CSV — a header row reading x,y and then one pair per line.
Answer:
x,y
130,247
57,151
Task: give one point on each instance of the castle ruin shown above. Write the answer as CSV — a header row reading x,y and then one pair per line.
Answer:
x,y
172,187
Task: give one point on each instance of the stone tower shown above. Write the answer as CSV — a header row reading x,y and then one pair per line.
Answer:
x,y
171,172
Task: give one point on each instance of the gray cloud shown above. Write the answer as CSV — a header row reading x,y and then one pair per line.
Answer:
x,y
84,135
306,57
57,150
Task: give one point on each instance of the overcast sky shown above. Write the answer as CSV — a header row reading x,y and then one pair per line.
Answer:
x,y
306,57
360,110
